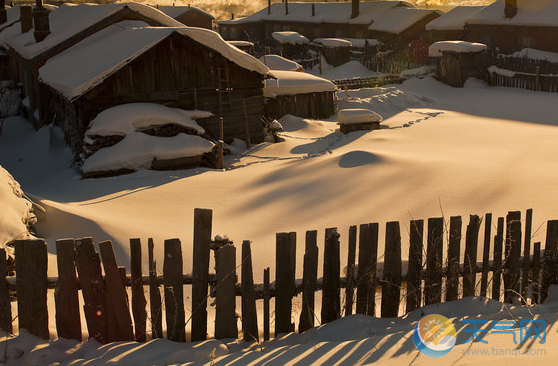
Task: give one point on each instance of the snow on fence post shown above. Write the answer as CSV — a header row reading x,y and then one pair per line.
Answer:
x,y
486,253
497,261
174,292
5,306
454,253
433,279
367,263
470,258
550,258
309,282
331,293
391,279
283,284
31,283
115,290
414,291
225,303
138,297
350,289
68,323
154,295
92,285
266,296
200,272
535,276
526,264
513,253
249,314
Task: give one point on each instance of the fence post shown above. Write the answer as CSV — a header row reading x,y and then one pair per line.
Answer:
x,y
486,253
117,293
309,281
249,315
414,271
225,291
331,293
454,264
266,296
138,297
497,262
68,323
513,253
5,306
283,283
350,289
174,292
367,264
526,256
536,273
154,295
550,258
203,220
31,284
433,279
391,282
470,259
92,285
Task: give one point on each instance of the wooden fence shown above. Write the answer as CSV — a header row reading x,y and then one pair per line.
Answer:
x,y
429,278
371,82
530,74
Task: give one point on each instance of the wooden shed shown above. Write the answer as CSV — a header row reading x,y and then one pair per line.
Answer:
x,y
187,68
189,16
459,60
68,25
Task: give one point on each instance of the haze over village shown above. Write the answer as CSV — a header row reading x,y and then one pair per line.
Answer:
x,y
279,182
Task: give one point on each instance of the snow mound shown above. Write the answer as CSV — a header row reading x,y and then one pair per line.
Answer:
x,y
420,71
532,53
16,213
292,83
276,62
351,69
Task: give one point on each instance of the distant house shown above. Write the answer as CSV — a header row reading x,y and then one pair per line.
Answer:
x,y
187,68
67,25
313,20
189,16
511,25
451,25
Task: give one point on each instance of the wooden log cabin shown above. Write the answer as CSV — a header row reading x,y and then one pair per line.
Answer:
x,y
188,68
59,30
451,25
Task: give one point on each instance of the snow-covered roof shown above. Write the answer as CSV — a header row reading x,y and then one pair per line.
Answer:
x,y
324,13
356,42
357,116
453,19
336,42
69,20
436,49
176,11
108,50
276,62
530,13
397,20
292,83
289,37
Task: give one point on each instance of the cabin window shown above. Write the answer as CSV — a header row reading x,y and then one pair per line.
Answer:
x,y
525,42
233,33
488,40
338,33
253,34
277,27
224,30
317,32
359,34
286,28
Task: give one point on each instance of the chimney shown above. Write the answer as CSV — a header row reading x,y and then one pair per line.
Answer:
x,y
3,14
232,16
313,9
286,6
356,8
510,9
26,16
268,6
40,20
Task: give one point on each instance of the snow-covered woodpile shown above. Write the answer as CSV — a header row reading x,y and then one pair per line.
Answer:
x,y
357,119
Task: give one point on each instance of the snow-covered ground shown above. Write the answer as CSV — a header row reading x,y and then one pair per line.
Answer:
x,y
443,151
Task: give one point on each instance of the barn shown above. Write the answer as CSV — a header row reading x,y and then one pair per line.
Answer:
x,y
187,68
66,26
189,16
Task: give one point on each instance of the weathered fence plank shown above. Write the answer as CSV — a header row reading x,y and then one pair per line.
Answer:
x,y
5,306
117,292
138,297
391,282
309,281
535,275
513,254
203,221
497,261
486,253
367,264
331,295
434,264
414,278
66,296
350,289
225,302
174,293
454,263
154,295
470,258
283,283
88,266
550,258
266,296
526,264
249,315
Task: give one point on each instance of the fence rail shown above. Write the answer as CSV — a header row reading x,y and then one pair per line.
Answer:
x,y
371,82
526,271
524,73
